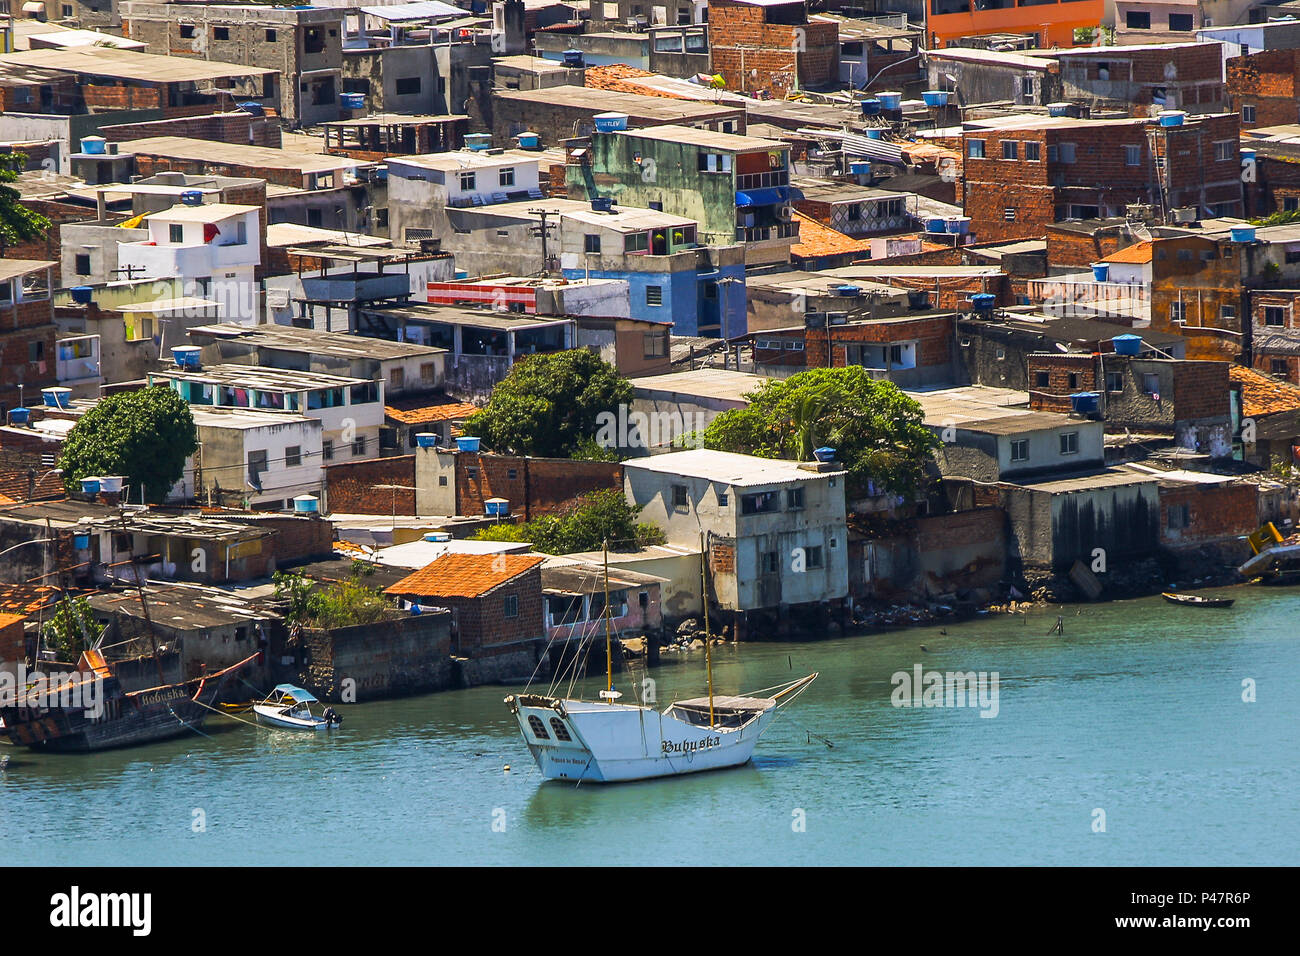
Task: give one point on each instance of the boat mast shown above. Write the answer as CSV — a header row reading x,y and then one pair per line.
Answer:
x,y
609,643
708,639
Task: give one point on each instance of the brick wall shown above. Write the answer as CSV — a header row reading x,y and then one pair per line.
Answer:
x,y
297,538
533,486
13,646
479,623
1065,375
147,165
1266,81
1200,391
350,486
23,326
741,41
241,128
1214,512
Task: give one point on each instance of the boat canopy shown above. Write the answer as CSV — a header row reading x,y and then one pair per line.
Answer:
x,y
297,693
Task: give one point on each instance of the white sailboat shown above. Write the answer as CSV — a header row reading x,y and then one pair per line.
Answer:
x,y
606,741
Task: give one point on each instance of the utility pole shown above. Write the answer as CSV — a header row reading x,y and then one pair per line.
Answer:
x,y
544,231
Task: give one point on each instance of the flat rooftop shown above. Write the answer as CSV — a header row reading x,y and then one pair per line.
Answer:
x,y
260,377
724,467
236,154
127,65
286,338
472,318
729,142
715,383
635,105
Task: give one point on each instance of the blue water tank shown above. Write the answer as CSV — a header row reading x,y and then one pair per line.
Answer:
x,y
90,485
81,540
871,107
529,141
1101,271
933,98
466,443
573,58
252,108
19,415
610,122
874,133
192,197
186,356
891,100
306,504
1127,344
983,302
936,224
602,204
352,101
94,145
1242,233
848,290
825,453
57,397
497,507
1084,403
82,294
426,440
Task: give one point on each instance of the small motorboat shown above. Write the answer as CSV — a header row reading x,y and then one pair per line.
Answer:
x,y
1195,600
289,708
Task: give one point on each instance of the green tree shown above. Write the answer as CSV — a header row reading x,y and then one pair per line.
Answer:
x,y
550,405
71,629
876,430
341,604
145,436
602,516
17,222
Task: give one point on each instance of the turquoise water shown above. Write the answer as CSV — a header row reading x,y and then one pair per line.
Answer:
x,y
1136,710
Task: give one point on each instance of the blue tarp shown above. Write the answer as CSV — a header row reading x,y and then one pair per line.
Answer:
x,y
767,197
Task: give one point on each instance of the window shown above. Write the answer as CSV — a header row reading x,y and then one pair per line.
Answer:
x,y
1114,381
1248,113
713,162
1074,380
722,499
1177,311
561,731
591,243
83,264
1020,449
1151,383
221,33
1041,379
187,31
1070,443
175,233
506,177
812,557
764,502
510,605
407,86
681,500
1278,366
327,450
512,474
1031,152
636,242
1132,155
1181,22
468,182
975,148
768,562
1136,20
359,446
293,456
537,727
270,36
1225,151
1067,152
1010,149
1274,315
1179,515
654,295
654,344
35,351
1228,313
67,11
1290,203
428,372
794,499
1009,214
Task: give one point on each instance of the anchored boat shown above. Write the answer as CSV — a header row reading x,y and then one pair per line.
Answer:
x,y
606,741
1195,600
289,708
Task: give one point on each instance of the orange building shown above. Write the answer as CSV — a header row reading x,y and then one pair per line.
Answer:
x,y
1053,20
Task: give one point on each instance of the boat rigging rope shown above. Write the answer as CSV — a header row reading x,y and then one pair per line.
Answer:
x,y
186,724
225,714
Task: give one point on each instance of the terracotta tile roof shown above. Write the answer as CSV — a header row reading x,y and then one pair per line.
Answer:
x,y
417,411
817,240
1262,394
611,76
26,599
465,575
1136,254
7,619
6,500
15,483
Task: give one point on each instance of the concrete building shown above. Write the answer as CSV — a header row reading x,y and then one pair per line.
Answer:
x,y
774,530
263,458
302,44
1262,87
736,187
1164,21
28,361
350,410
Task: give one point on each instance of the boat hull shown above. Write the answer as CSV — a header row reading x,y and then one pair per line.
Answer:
x,y
610,743
269,716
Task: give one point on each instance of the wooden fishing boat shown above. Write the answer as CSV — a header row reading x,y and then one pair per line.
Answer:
x,y
289,708
607,741
38,721
1196,600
